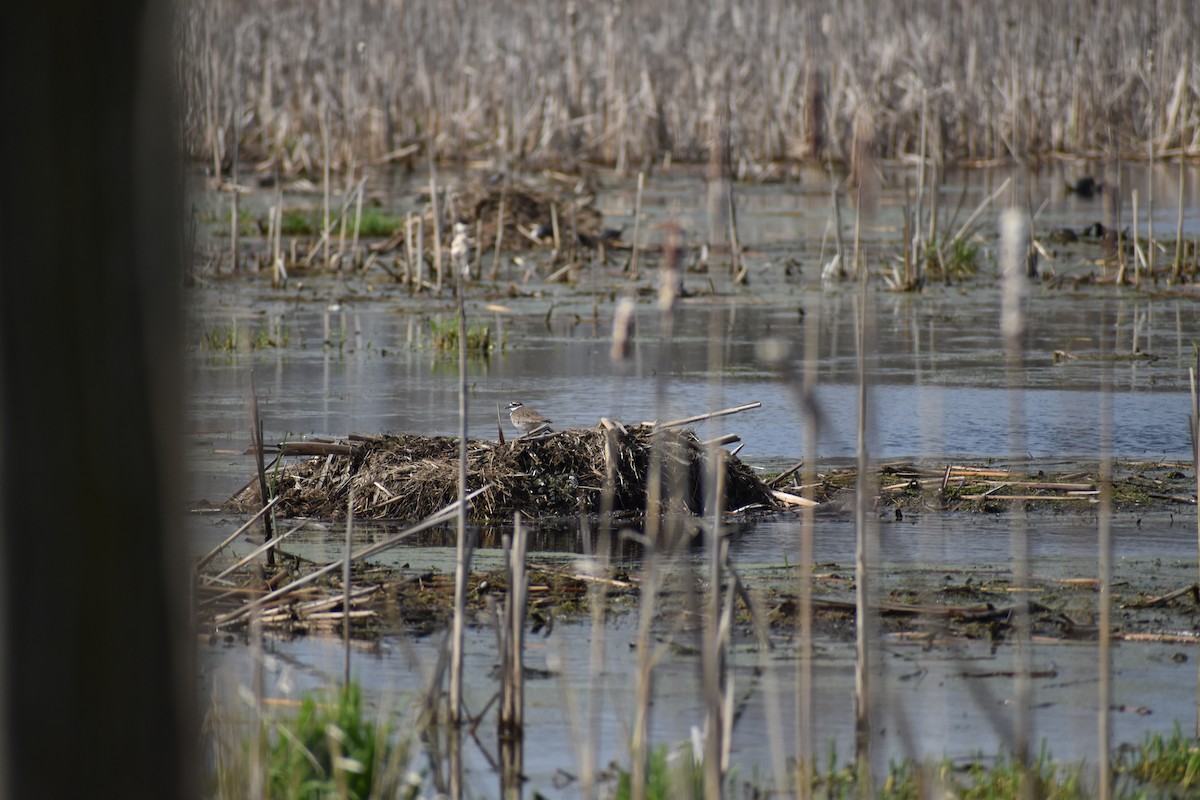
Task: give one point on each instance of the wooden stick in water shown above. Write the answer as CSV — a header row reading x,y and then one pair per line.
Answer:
x,y
268,522
793,500
253,554
783,476
701,417
315,449
203,562
434,519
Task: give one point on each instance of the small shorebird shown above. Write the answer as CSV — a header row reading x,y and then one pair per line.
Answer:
x,y
526,420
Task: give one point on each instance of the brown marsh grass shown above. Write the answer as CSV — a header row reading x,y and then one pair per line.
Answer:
x,y
553,84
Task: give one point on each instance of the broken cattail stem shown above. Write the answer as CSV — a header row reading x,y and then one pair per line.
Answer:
x,y
257,433
462,560
236,104
1139,258
1014,242
253,554
346,588
431,521
347,193
623,324
358,204
783,476
736,267
278,268
420,275
1150,206
1177,267
701,417
558,252
203,562
637,225
499,233
837,224
437,220
1104,598
325,181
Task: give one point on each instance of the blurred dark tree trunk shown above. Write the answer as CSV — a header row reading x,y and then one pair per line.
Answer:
x,y
94,663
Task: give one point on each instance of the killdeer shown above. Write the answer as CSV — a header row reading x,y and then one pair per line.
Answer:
x,y
526,420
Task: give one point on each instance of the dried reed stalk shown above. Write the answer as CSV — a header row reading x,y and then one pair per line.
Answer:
x,y
1104,595
347,590
1177,265
637,227
462,558
257,434
499,233
204,561
864,618
325,226
601,104
438,518
1014,238
512,690
437,217
805,731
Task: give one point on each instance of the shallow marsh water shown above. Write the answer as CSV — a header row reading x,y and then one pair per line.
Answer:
x,y
358,358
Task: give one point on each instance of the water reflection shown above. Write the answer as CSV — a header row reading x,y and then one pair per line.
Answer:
x,y
939,389
350,356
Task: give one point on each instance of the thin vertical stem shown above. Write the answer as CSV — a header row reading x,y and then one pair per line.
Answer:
x,y
325,179
499,233
358,204
1150,207
714,645
437,219
1104,738
462,561
804,667
236,102
862,611
346,590
637,225
1177,268
1014,234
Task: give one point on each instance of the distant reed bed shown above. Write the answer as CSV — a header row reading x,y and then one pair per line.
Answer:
x,y
552,83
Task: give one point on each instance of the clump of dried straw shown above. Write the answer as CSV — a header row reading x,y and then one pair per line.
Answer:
x,y
409,477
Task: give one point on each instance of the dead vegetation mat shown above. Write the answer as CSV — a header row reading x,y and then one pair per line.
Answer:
x,y
410,477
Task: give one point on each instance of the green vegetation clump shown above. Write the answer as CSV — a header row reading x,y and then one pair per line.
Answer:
x,y
1160,767
960,260
223,338
1171,763
445,336
668,775
228,338
330,749
372,222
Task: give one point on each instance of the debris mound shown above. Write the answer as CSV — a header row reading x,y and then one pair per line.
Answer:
x,y
411,477
525,209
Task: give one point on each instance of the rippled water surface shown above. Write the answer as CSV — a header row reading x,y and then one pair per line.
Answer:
x,y
355,354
